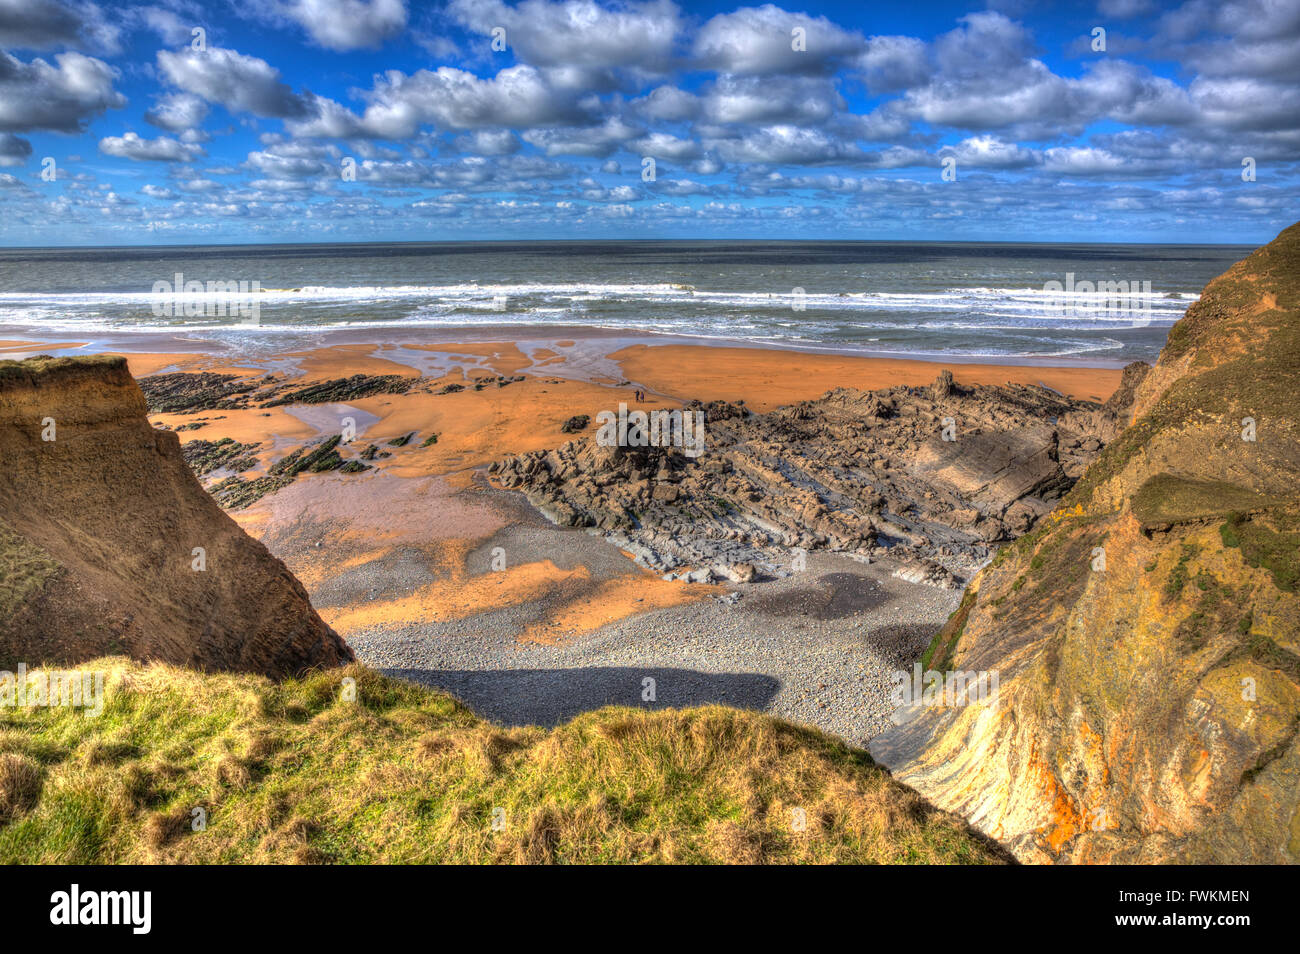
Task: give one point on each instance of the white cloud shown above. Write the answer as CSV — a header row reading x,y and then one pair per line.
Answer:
x,y
14,150
989,152
664,146
162,149
177,112
783,144
518,97
669,103
489,142
891,63
762,41
51,24
579,34
238,82
61,97
595,141
339,24
755,99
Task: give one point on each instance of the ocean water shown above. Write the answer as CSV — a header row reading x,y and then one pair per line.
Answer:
x,y
963,300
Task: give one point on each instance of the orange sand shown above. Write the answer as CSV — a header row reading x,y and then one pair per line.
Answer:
x,y
579,604
612,601
341,361
458,598
427,500
475,428
765,379
7,346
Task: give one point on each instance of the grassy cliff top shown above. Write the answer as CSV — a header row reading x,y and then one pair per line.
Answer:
x,y
42,366
291,771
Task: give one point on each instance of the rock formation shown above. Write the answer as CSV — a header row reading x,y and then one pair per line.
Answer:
x,y
1147,634
108,544
932,475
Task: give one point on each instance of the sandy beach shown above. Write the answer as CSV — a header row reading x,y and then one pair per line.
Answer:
x,y
430,571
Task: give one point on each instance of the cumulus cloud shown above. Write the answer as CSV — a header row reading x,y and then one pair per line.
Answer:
x,y
162,149
669,103
528,174
518,97
664,146
339,24
683,187
766,100
489,142
14,150
579,34
786,145
278,166
60,97
51,24
892,63
761,41
177,112
988,152
231,79
595,141
1082,161
588,85
169,25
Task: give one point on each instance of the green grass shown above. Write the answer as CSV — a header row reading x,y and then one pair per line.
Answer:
x,y
943,647
1262,548
1179,575
292,771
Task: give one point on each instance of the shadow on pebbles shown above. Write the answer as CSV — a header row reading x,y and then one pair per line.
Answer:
x,y
819,647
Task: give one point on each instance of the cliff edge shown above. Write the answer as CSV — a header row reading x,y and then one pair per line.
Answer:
x,y
108,544
1147,634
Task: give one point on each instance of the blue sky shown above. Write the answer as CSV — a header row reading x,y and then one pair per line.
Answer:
x,y
180,122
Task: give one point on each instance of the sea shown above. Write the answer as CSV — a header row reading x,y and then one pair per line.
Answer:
x,y
1091,304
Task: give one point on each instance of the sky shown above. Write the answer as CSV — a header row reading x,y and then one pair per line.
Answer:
x,y
178,122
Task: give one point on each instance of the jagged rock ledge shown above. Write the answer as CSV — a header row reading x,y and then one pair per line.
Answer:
x,y
869,474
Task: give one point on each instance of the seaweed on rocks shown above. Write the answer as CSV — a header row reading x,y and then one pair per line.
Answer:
x,y
342,390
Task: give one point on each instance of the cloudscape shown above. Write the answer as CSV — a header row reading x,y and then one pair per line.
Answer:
x,y
364,120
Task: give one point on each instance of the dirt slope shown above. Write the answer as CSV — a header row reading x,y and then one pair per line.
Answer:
x,y
98,535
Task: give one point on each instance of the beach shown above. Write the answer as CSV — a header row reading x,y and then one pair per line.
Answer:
x,y
431,571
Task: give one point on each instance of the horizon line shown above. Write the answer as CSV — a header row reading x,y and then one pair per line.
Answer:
x,y
616,241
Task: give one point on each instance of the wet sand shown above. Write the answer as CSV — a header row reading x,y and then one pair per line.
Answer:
x,y
766,379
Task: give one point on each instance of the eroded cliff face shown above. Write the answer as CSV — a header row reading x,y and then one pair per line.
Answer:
x,y
1149,702
99,528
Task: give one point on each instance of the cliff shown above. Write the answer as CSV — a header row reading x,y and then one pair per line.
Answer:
x,y
1147,634
108,544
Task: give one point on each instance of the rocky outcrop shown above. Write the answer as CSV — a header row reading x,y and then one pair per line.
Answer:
x,y
108,544
933,475
1147,634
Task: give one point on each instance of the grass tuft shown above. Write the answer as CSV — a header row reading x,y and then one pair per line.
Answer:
x,y
295,772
